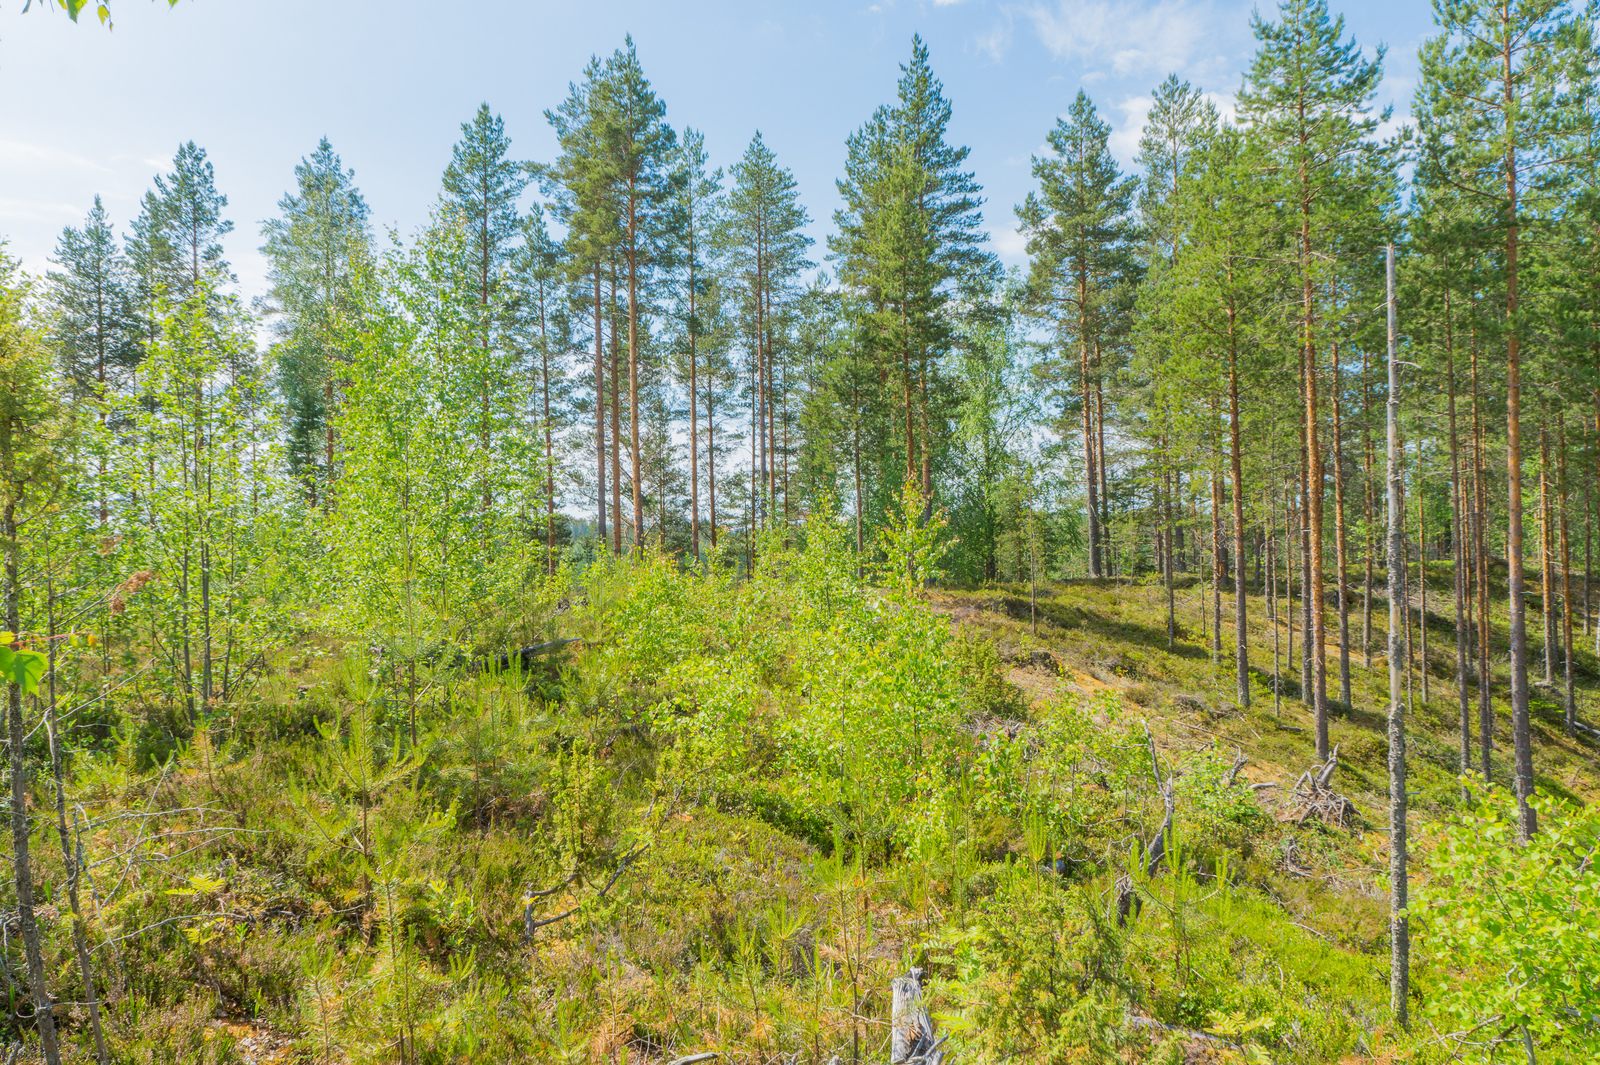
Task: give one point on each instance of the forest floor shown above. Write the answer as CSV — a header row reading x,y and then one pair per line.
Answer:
x,y
1111,634
359,863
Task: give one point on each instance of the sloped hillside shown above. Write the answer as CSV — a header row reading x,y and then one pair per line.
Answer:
x,y
727,814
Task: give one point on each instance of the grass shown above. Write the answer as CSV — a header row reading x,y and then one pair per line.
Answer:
x,y
759,803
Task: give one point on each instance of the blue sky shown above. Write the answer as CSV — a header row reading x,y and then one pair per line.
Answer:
x,y
257,82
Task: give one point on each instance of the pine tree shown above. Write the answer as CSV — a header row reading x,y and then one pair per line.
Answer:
x,y
697,204
1211,316
481,187
315,246
542,337
1306,100
639,150
1495,112
910,234
176,247
1081,238
763,243
582,186
1178,125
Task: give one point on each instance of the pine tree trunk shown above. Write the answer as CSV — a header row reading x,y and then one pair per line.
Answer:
x,y
1091,479
1546,570
1216,566
1291,539
549,441
1308,683
711,460
633,368
1569,704
1422,575
616,423
1241,646
694,426
599,414
1108,542
1341,552
1399,924
1366,478
1481,526
1167,559
763,490
1521,731
1316,631
1272,607
1458,544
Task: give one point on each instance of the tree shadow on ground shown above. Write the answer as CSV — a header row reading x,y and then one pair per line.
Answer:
x,y
1069,617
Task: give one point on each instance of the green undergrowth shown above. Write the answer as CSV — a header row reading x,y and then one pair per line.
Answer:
x,y
743,807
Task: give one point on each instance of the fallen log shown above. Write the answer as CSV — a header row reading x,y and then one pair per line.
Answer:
x,y
523,656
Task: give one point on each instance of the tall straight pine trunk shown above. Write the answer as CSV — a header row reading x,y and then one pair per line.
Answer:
x,y
633,369
1316,632
1568,703
1459,540
1241,643
599,412
1481,553
1399,921
616,423
1521,732
1341,552
1546,563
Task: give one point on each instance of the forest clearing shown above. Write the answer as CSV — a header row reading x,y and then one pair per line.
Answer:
x,y
610,624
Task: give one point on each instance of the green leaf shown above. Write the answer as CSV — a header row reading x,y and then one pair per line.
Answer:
x,y
22,667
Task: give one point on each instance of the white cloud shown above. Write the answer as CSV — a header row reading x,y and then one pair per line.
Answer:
x,y
17,154
14,210
1011,246
1127,38
996,42
1124,139
1125,132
